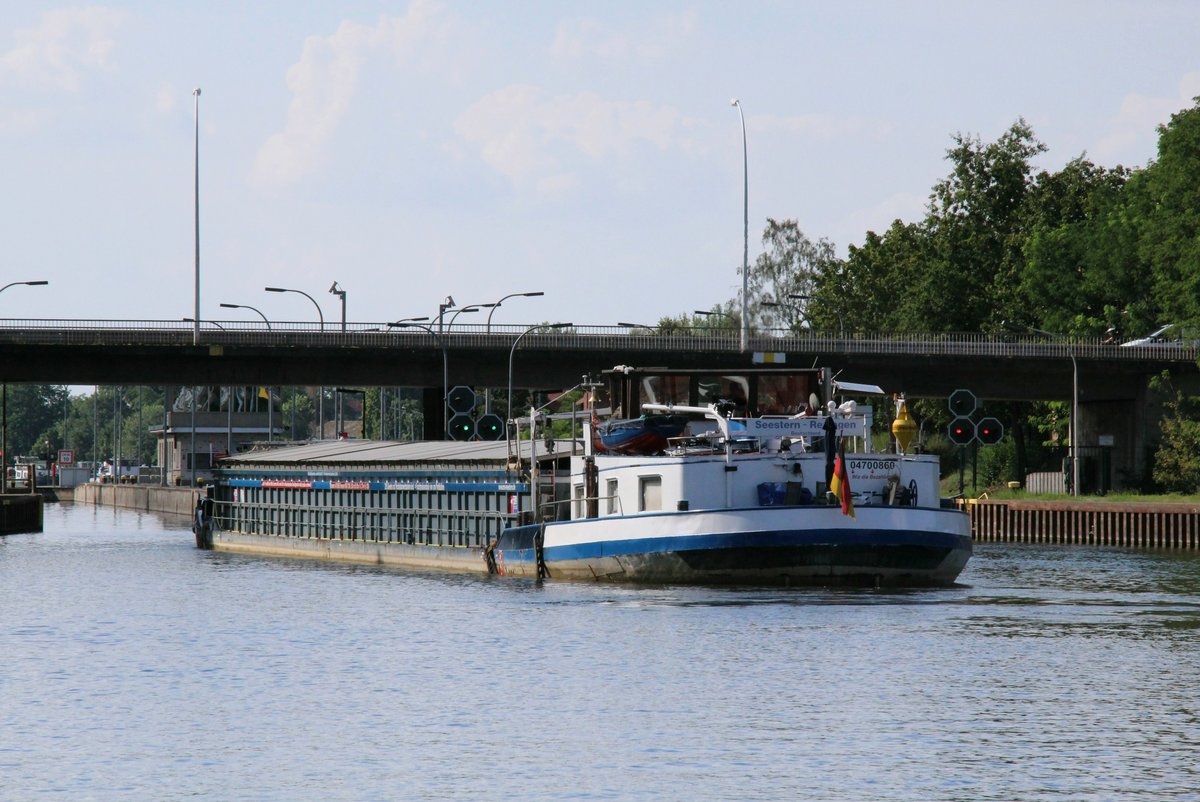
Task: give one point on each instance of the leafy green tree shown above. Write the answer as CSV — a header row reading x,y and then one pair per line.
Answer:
x,y
974,225
790,266
1165,200
1177,461
32,410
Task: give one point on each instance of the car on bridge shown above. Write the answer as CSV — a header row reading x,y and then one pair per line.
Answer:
x,y
1171,334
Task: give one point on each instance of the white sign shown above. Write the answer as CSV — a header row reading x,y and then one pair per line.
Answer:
x,y
870,467
808,426
66,456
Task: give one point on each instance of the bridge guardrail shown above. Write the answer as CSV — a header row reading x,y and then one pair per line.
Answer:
x,y
583,337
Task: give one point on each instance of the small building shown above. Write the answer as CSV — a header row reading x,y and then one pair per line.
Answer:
x,y
206,424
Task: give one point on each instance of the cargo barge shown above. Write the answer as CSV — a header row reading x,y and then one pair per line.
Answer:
x,y
757,487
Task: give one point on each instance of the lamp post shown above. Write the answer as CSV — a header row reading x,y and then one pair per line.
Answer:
x,y
196,218
38,283
513,351
321,317
252,309
193,320
487,394
320,314
461,309
496,305
4,393
405,324
745,338
341,294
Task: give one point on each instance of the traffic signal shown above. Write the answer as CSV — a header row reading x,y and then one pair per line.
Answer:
x,y
461,427
962,402
961,431
989,431
461,399
489,427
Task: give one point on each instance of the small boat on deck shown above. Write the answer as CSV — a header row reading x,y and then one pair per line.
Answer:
x,y
648,434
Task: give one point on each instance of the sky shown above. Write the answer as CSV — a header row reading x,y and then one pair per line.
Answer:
x,y
416,150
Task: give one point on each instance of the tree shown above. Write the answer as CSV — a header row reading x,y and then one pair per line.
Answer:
x,y
1165,200
974,225
790,266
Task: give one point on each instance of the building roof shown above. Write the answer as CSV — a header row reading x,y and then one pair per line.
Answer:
x,y
384,452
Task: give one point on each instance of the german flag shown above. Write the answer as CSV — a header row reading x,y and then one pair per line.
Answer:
x,y
839,485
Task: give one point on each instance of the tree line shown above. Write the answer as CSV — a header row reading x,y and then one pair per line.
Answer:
x,y
1084,251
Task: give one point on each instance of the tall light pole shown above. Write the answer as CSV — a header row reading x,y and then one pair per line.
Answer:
x,y
38,283
745,338
461,309
196,217
251,308
341,294
512,351
321,390
4,413
320,314
496,305
404,324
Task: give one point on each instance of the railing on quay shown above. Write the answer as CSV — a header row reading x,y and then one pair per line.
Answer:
x,y
583,337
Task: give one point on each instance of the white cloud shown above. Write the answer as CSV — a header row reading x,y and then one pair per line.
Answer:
x,y
68,43
580,38
1134,129
324,81
532,138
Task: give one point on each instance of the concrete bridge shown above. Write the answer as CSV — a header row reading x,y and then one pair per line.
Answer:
x,y
1110,381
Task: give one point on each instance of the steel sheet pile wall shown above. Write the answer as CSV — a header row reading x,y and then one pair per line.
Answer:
x,y
1175,526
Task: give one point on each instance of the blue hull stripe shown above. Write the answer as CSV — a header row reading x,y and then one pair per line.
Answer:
x,y
748,540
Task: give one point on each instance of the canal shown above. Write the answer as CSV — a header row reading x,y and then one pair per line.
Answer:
x,y
133,666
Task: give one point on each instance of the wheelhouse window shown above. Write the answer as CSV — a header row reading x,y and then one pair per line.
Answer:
x,y
611,504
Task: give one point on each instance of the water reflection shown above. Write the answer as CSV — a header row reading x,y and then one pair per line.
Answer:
x,y
138,667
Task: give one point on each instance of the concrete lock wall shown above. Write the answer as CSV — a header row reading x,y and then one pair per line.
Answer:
x,y
171,500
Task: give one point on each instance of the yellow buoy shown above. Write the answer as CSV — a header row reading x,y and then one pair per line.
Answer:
x,y
903,427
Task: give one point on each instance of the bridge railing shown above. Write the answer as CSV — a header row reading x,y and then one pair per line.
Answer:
x,y
250,333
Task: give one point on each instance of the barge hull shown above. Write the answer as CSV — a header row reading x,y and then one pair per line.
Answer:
x,y
365,552
780,546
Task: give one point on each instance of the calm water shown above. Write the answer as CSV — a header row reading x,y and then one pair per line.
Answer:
x,y
134,667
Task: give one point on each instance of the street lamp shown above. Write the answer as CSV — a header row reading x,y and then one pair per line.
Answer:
x,y
404,324
320,314
252,309
745,229
38,283
196,218
496,305
341,294
193,320
461,309
513,350
710,313
4,422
